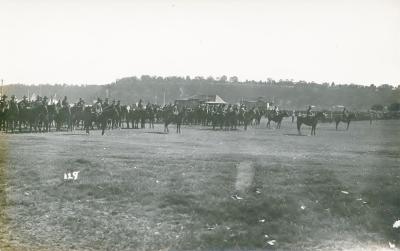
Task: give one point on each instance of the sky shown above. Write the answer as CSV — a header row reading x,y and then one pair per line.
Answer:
x,y
97,42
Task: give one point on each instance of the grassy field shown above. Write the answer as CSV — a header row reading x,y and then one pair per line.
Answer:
x,y
202,189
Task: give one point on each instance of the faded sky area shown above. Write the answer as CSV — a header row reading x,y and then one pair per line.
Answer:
x,y
96,42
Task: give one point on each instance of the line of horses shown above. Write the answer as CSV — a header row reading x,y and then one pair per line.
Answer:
x,y
40,117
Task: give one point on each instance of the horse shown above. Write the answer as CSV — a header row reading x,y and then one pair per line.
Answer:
x,y
345,119
151,116
123,115
89,116
3,110
109,113
39,117
25,117
257,117
179,119
133,116
276,118
62,117
248,116
310,121
12,116
77,115
53,112
169,117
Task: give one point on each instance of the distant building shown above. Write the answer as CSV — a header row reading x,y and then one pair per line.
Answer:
x,y
199,99
260,102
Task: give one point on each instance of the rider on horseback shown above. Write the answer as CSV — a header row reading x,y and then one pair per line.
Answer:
x,y
12,99
13,103
3,100
98,106
38,101
275,111
140,106
44,102
105,104
175,110
65,102
309,111
81,103
24,102
118,106
345,113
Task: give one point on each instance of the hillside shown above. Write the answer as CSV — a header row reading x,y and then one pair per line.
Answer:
x,y
287,94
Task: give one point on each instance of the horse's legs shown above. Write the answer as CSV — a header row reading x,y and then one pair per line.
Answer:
x,y
103,126
348,124
314,126
337,123
87,125
298,127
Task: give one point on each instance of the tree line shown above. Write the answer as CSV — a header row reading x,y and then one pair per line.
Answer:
x,y
288,94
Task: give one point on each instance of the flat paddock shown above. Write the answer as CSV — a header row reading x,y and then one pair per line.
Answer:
x,y
202,189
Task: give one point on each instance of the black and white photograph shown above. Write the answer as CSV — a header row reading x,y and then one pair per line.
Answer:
x,y
207,125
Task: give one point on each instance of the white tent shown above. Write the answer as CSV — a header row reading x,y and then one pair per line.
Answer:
x,y
217,100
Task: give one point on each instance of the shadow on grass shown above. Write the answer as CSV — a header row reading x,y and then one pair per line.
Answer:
x,y
295,134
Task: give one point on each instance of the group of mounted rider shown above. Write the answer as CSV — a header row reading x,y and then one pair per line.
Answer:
x,y
40,115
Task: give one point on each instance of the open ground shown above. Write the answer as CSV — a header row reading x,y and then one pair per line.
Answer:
x,y
202,189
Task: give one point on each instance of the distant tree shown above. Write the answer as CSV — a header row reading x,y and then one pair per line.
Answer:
x,y
145,78
377,107
233,79
333,84
210,79
223,79
386,86
394,107
270,81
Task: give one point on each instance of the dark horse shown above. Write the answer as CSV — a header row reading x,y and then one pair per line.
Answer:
x,y
170,116
109,113
345,119
276,118
310,121
12,116
89,117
